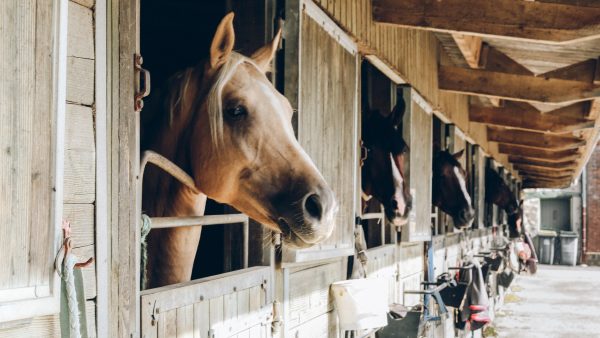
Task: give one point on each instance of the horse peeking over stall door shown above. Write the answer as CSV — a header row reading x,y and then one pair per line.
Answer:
x,y
383,164
450,192
227,126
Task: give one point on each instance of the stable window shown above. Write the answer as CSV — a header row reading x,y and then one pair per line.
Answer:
x,y
379,95
231,291
32,127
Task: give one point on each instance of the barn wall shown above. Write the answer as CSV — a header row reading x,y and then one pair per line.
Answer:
x,y
80,165
413,54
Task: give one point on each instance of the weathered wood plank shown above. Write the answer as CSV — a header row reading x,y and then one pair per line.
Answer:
x,y
524,116
86,3
544,154
309,292
470,47
90,313
80,81
81,217
46,326
506,18
80,156
534,139
80,32
514,87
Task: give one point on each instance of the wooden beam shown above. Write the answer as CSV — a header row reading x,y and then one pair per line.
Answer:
x,y
470,47
557,23
542,163
534,139
544,169
537,153
543,172
514,86
525,116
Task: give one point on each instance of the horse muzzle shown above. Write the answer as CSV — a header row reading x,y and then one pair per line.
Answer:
x,y
309,220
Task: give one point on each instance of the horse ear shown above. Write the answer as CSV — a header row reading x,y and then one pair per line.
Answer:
x,y
263,56
459,154
223,41
397,113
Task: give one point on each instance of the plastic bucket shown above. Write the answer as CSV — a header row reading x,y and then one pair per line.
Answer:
x,y
361,303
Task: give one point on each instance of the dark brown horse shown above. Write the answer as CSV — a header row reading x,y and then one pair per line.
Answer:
x,y
498,193
450,192
382,170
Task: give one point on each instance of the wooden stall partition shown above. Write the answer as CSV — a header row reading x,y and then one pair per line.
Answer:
x,y
382,264
411,270
418,135
308,308
235,304
328,121
439,255
32,132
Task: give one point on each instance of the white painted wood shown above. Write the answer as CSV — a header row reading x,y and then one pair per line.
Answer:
x,y
102,171
47,56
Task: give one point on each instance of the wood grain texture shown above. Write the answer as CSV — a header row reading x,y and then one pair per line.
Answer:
x,y
534,139
514,87
328,116
80,156
80,81
25,143
81,32
506,18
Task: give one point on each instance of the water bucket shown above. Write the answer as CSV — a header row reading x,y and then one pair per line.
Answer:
x,y
361,303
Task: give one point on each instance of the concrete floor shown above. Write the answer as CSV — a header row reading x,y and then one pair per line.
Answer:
x,y
557,302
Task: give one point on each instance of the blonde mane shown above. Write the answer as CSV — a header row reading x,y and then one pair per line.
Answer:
x,y
214,99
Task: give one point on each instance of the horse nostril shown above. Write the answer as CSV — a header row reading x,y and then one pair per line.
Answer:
x,y
394,204
313,206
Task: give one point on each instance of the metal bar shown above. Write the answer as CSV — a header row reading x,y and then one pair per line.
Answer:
x,y
466,267
245,230
173,222
429,291
372,215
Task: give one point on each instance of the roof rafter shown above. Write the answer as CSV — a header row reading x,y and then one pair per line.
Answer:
x,y
551,22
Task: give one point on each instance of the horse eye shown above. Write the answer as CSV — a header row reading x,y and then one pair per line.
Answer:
x,y
236,112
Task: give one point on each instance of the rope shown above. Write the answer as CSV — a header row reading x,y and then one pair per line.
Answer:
x,y
146,227
69,277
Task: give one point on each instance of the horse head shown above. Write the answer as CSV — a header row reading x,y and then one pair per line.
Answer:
x,y
497,192
240,146
383,168
450,189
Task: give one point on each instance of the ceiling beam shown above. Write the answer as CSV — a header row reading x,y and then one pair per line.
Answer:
x,y
515,86
542,163
525,116
542,169
534,139
542,154
553,23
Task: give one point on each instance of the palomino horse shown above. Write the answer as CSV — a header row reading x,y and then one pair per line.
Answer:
x,y
383,163
450,189
498,193
228,127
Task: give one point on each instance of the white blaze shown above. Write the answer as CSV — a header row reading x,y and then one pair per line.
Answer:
x,y
463,185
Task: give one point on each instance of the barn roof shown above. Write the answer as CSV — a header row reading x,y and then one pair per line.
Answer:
x,y
531,69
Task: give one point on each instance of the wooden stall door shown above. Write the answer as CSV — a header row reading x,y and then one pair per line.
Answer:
x,y
234,304
327,123
32,104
